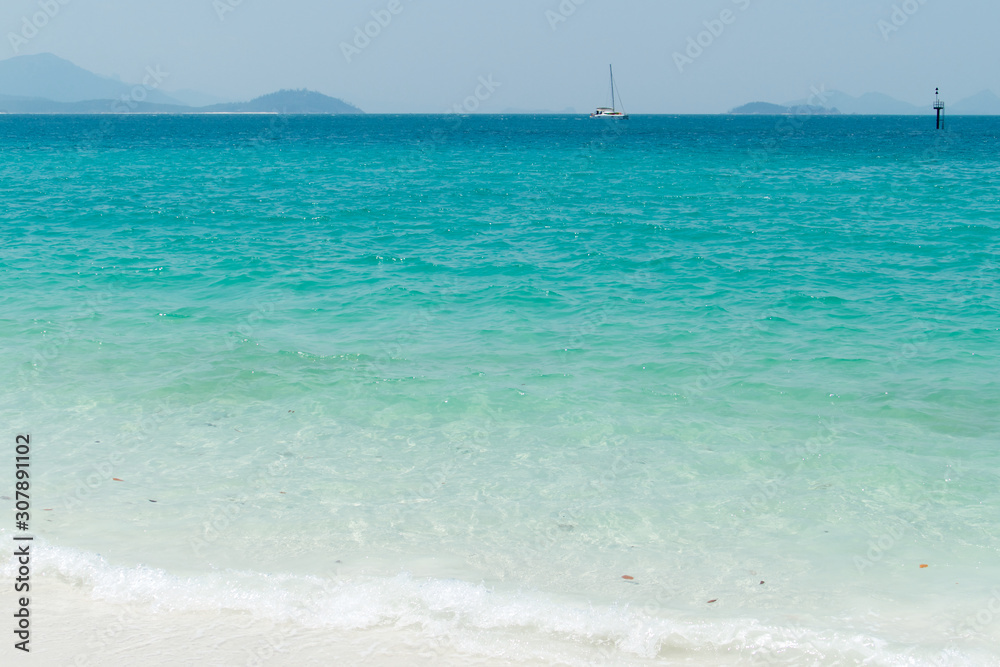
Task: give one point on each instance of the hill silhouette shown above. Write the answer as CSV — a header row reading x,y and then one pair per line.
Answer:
x,y
48,77
48,84
287,101
768,109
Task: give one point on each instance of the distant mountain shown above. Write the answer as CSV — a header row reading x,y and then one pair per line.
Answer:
x,y
282,102
869,104
760,108
11,104
47,84
768,109
985,103
287,101
876,104
45,76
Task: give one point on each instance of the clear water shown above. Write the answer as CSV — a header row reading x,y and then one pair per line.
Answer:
x,y
456,376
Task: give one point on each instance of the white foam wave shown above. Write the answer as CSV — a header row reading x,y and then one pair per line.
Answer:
x,y
473,618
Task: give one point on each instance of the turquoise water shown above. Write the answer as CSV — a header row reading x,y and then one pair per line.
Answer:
x,y
456,376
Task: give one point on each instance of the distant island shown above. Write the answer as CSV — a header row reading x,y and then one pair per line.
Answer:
x,y
47,84
286,101
281,102
833,102
768,109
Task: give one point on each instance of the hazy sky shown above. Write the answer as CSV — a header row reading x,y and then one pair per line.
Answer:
x,y
432,53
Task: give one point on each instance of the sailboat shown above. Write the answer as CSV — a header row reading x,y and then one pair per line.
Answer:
x,y
610,112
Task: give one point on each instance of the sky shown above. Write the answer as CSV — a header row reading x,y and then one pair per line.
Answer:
x,y
426,56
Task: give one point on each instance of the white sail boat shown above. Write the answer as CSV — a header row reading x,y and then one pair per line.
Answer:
x,y
612,111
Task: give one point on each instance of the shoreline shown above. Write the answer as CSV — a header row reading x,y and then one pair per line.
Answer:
x,y
86,613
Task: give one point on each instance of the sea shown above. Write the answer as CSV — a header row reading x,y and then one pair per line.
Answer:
x,y
503,390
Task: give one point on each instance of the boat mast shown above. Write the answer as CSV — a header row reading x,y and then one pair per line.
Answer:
x,y
612,71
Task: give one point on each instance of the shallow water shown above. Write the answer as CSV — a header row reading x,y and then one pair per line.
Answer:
x,y
453,377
